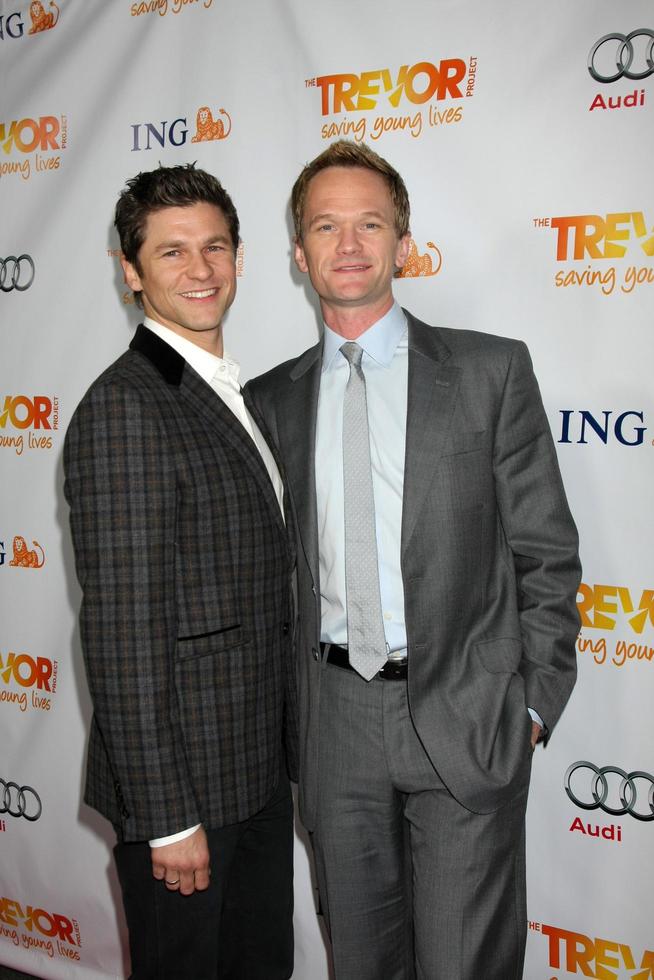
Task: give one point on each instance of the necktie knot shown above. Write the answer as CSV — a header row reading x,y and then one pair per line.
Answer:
x,y
352,353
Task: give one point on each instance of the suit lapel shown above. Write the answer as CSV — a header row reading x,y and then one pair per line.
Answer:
x,y
432,391
206,403
297,435
288,510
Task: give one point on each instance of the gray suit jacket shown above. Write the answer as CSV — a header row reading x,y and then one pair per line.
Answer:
x,y
488,552
186,622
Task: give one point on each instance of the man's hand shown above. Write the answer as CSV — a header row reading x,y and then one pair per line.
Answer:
x,y
535,734
184,866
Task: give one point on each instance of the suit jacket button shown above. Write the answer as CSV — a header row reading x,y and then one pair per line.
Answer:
x,y
316,655
285,629
313,589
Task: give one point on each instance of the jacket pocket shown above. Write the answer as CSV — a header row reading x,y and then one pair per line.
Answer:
x,y
501,655
464,442
215,641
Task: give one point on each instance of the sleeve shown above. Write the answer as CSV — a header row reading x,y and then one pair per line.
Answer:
x,y
121,487
542,537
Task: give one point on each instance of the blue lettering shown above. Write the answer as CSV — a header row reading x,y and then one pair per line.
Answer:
x,y
171,132
638,430
13,30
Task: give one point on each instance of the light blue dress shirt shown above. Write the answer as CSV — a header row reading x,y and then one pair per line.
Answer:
x,y
385,366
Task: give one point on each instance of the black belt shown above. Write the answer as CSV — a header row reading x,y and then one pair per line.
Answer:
x,y
393,670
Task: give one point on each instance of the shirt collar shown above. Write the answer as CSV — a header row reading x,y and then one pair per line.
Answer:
x,y
380,341
202,362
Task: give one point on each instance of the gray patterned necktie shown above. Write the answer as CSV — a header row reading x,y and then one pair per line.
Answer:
x,y
365,628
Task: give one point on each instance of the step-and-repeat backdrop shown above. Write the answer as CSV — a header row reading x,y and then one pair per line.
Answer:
x,y
525,134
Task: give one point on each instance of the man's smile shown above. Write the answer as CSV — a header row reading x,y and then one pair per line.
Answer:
x,y
199,293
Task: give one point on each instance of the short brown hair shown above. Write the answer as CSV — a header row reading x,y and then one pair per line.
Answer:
x,y
168,187
345,153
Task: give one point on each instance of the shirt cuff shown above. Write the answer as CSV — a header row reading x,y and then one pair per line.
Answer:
x,y
162,841
536,717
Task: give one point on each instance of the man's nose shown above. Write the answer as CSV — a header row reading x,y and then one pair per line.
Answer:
x,y
348,240
199,266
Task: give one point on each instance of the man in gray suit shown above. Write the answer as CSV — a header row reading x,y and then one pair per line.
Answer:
x,y
183,555
437,577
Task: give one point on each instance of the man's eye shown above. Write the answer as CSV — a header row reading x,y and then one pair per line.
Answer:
x,y
325,227
172,252
216,248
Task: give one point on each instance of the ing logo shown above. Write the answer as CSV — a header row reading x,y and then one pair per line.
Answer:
x,y
25,557
418,265
43,20
149,135
208,128
12,25
582,427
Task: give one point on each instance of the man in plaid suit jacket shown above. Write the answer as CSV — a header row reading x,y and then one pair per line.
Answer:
x,y
183,556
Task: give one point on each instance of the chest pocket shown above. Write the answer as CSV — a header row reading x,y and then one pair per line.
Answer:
x,y
461,443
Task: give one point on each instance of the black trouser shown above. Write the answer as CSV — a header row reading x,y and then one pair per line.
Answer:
x,y
240,928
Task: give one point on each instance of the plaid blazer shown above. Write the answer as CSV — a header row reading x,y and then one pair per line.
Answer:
x,y
186,622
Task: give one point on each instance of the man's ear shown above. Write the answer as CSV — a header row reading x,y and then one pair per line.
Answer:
x,y
402,252
132,277
299,257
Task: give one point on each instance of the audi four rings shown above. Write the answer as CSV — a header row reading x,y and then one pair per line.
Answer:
x,y
16,272
624,56
19,801
598,790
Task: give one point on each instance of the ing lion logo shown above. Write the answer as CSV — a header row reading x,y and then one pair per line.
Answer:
x,y
420,265
42,21
24,557
208,128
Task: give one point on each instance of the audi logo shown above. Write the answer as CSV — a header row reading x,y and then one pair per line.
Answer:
x,y
629,796
16,272
19,801
624,56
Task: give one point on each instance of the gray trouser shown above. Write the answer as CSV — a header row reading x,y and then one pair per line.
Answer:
x,y
411,883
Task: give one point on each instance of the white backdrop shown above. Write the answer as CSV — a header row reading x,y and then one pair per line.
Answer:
x,y
531,187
